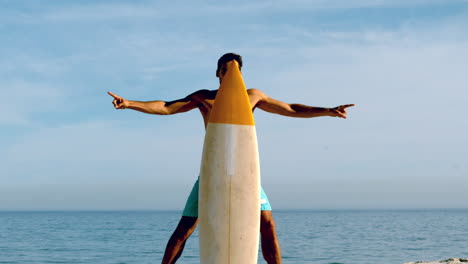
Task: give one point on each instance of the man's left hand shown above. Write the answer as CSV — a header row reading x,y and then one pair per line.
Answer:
x,y
339,111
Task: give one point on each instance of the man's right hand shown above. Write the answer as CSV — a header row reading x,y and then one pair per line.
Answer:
x,y
119,102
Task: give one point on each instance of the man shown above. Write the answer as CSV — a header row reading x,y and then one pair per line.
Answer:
x,y
203,101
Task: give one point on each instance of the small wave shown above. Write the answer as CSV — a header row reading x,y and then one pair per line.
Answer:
x,y
447,261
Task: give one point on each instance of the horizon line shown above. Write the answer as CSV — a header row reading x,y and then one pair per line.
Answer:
x,y
275,210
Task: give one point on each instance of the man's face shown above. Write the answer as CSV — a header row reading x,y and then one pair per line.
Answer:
x,y
222,71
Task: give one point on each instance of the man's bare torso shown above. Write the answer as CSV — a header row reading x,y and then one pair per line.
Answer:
x,y
205,100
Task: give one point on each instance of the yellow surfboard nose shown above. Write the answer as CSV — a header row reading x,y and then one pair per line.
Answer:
x,y
232,103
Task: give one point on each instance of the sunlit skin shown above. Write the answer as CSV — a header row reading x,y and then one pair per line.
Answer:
x,y
203,101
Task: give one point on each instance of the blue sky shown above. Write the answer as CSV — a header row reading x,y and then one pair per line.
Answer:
x,y
403,63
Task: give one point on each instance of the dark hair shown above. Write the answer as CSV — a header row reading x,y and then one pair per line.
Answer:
x,y
227,58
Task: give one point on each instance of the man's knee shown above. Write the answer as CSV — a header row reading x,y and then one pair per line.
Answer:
x,y
266,221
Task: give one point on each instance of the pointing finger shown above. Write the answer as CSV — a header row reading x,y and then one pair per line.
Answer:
x,y
348,105
113,95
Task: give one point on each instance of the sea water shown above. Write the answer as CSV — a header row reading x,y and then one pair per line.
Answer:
x,y
317,236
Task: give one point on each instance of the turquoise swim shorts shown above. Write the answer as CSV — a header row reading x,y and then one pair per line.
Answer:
x,y
191,206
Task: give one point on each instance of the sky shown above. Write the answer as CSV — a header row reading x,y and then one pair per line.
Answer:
x,y
403,63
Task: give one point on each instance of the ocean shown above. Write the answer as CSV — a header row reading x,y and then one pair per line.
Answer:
x,y
306,236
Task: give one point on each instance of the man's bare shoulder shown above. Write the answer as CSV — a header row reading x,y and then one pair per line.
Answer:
x,y
254,91
204,94
257,94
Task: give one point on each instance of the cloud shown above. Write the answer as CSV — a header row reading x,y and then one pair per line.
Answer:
x,y
153,10
77,164
408,82
84,146
23,99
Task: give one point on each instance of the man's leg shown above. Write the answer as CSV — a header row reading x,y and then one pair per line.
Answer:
x,y
270,244
176,243
184,229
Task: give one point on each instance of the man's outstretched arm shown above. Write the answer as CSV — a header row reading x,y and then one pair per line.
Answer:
x,y
156,107
271,105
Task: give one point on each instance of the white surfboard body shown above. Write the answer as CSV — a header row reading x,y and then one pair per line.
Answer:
x,y
229,196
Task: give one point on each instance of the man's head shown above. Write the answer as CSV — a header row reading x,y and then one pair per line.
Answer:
x,y
222,63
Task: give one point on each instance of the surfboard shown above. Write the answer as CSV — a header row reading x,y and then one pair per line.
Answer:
x,y
229,196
